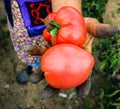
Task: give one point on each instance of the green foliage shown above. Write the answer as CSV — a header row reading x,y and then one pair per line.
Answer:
x,y
93,8
118,10
109,55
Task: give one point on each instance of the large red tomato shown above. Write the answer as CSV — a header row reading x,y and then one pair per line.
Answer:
x,y
67,26
66,65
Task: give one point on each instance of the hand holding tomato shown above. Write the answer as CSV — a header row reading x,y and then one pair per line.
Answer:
x,y
94,29
66,66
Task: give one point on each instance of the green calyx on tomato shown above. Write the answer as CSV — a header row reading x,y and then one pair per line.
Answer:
x,y
53,28
66,66
66,26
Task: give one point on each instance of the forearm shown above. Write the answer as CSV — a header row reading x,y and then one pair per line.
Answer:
x,y
57,4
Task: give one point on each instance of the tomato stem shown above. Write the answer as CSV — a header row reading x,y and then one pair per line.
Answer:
x,y
55,24
52,27
54,33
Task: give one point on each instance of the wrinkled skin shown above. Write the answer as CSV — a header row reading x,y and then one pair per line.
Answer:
x,y
94,30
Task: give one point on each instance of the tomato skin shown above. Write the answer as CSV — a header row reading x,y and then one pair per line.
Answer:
x,y
72,27
51,16
66,66
46,34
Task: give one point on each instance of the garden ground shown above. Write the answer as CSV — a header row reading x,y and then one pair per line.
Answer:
x,y
15,96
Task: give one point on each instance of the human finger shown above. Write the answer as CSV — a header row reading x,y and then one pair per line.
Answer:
x,y
99,30
84,89
49,92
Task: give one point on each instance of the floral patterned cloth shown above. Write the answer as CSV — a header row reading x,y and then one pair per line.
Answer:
x,y
21,39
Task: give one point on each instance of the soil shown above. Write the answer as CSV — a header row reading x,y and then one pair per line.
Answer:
x,y
112,13
15,96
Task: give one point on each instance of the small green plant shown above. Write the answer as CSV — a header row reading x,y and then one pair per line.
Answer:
x,y
109,53
109,56
94,8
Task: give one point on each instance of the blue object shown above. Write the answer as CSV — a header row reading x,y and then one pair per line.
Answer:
x,y
34,65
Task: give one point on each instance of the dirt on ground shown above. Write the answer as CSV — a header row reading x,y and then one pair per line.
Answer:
x,y
15,96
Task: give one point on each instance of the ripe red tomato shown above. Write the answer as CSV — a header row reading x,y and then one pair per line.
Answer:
x,y
68,26
66,66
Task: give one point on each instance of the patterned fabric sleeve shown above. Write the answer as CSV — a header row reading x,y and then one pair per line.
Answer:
x,y
20,35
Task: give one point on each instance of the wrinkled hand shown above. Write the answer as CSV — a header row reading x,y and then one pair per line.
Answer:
x,y
94,30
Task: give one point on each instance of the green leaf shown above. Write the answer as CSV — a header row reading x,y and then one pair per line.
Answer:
x,y
114,62
115,104
118,99
103,64
113,94
118,11
118,107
